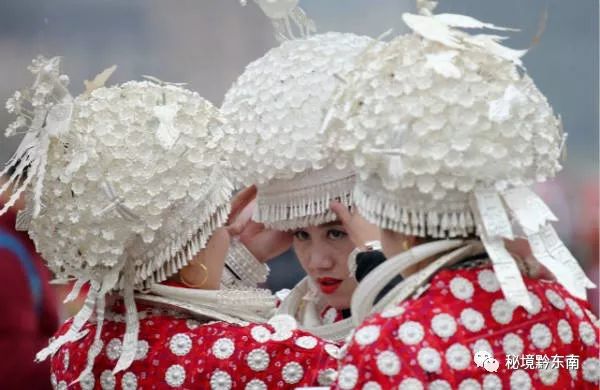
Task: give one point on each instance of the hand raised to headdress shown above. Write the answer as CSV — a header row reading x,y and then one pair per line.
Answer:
x,y
263,243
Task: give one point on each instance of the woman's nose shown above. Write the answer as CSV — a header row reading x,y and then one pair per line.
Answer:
x,y
321,260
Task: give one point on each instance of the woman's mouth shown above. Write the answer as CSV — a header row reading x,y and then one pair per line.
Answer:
x,y
329,285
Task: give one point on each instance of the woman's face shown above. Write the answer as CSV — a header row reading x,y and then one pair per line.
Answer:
x,y
323,253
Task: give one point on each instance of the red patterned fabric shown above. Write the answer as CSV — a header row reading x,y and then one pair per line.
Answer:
x,y
429,342
177,352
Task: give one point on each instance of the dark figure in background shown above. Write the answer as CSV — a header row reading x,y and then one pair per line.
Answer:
x,y
28,308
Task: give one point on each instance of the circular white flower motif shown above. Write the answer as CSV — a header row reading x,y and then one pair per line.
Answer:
x,y
502,311
260,334
141,350
371,386
555,299
306,342
87,382
392,312
587,333
541,336
329,316
520,380
180,344
512,344
327,377
429,359
411,332
62,385
410,384
220,380
175,375
292,373
129,381
548,376
472,320
458,356
439,384
332,350
256,384
536,304
388,363
443,325
591,370
488,281
492,382
367,335
469,384
461,288
258,360
348,377
107,380
564,331
223,348
113,349
192,324
574,307
481,345
284,326
66,359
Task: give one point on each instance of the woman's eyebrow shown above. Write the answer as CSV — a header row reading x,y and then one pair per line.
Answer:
x,y
330,224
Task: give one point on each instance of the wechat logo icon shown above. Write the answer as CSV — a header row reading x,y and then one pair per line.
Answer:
x,y
486,360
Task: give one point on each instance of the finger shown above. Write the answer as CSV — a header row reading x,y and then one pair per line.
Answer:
x,y
342,212
240,201
240,222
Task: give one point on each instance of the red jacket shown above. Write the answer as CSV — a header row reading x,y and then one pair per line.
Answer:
x,y
441,339
175,351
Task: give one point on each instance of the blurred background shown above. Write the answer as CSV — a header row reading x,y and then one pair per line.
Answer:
x,y
207,43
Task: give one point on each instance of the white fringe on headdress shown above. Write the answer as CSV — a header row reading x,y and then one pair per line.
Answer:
x,y
390,212
491,215
303,201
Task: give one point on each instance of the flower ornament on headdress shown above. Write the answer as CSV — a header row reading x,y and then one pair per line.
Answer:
x,y
44,110
132,186
447,132
282,13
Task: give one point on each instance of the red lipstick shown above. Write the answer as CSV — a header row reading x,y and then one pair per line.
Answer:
x,y
329,285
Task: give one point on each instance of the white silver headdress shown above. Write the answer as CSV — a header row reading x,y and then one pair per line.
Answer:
x,y
278,106
128,187
447,133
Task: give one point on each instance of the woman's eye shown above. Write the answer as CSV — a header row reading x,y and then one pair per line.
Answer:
x,y
301,235
336,234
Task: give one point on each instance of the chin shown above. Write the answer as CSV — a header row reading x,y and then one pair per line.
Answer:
x,y
339,303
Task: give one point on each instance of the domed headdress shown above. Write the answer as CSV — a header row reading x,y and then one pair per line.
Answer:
x,y
125,185
447,132
278,104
